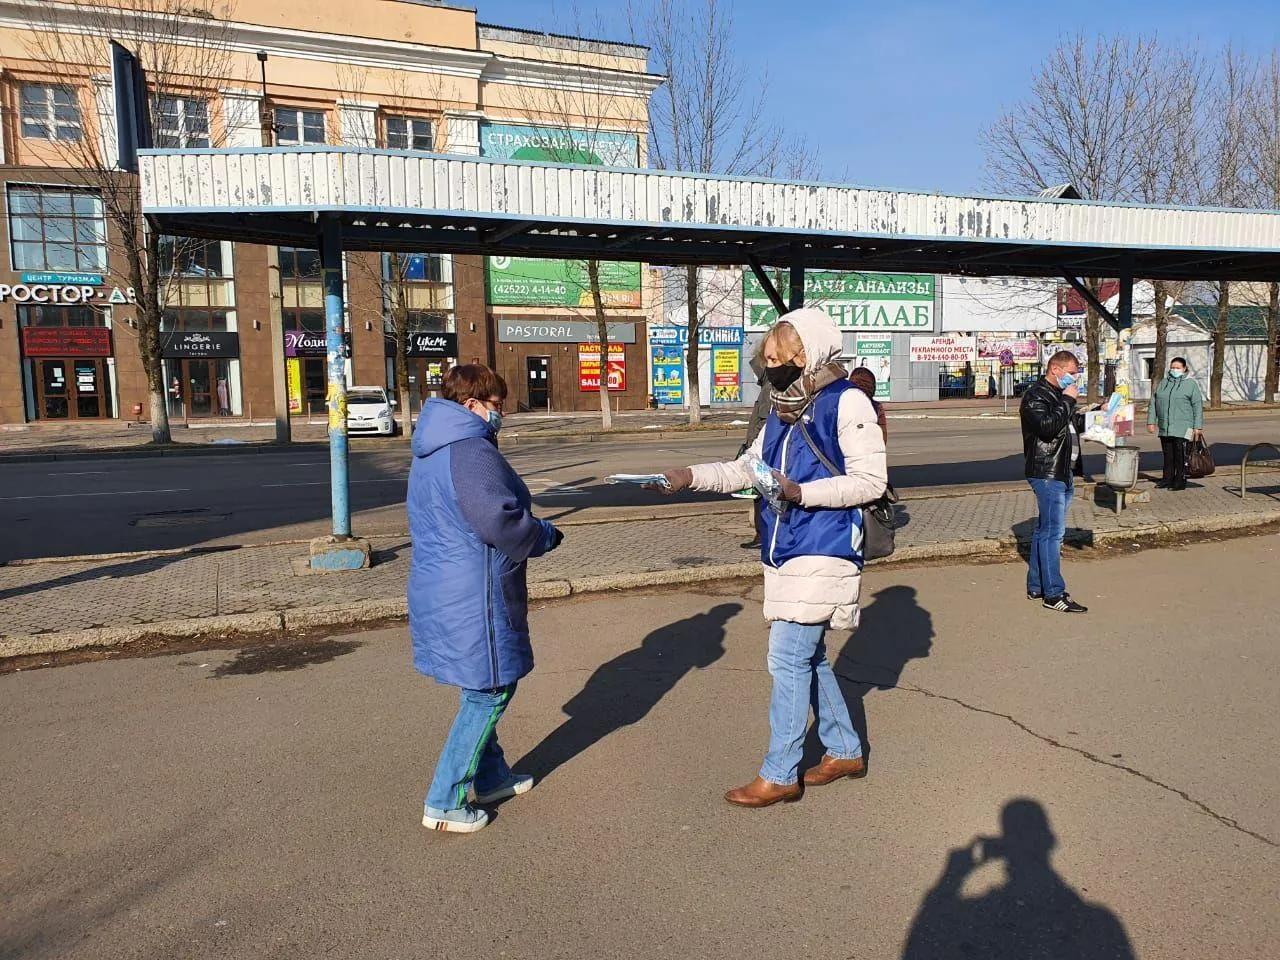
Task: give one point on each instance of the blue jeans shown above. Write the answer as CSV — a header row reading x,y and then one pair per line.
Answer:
x,y
803,678
471,752
1044,566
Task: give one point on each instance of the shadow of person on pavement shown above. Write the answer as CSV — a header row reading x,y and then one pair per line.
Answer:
x,y
1035,913
624,690
893,630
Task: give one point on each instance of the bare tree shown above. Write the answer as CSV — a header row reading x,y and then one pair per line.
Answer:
x,y
1082,122
183,47
1226,184
1262,158
708,117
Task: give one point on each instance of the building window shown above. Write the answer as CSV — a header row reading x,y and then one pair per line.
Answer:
x,y
298,127
57,229
297,263
301,318
193,318
408,133
49,112
186,257
427,267
182,122
44,315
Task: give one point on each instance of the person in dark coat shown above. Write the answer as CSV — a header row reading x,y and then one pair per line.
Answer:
x,y
865,380
759,417
473,533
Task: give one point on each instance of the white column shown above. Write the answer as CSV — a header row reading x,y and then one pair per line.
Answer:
x,y
358,123
104,96
462,131
241,114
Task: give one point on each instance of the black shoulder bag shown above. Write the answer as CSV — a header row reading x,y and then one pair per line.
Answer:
x,y
879,520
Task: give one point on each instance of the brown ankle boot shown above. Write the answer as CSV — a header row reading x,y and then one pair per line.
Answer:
x,y
831,769
762,793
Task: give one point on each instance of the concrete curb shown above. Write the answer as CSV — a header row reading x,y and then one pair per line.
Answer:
x,y
286,621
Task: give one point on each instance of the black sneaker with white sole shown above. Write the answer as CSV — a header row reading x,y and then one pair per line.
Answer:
x,y
1064,604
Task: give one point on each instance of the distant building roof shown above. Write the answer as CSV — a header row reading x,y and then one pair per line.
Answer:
x,y
1061,191
1243,322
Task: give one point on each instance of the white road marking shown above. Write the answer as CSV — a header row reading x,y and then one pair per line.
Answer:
x,y
325,483
97,493
80,473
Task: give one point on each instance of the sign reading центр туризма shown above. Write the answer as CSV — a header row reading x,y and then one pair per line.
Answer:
x,y
856,301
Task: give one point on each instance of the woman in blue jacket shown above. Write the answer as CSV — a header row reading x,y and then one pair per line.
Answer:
x,y
472,531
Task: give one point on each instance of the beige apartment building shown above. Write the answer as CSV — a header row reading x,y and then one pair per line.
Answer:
x,y
387,74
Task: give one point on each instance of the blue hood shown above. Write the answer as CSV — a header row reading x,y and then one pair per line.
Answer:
x,y
443,422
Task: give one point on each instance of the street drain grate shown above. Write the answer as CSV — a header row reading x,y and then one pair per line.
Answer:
x,y
177,518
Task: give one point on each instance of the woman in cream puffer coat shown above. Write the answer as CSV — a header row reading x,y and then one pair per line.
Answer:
x,y
812,552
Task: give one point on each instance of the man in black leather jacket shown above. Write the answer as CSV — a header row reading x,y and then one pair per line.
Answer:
x,y
1052,449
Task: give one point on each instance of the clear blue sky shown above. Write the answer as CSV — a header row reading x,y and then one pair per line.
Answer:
x,y
895,94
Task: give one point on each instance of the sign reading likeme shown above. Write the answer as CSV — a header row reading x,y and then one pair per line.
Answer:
x,y
431,346
901,302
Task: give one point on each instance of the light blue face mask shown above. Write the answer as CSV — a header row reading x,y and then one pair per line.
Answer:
x,y
1177,373
495,420
1066,380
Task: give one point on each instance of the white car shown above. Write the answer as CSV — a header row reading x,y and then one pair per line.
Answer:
x,y
369,410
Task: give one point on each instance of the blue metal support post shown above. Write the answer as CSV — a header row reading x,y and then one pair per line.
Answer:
x,y
336,387
340,551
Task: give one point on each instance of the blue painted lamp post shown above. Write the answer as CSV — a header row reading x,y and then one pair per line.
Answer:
x,y
340,551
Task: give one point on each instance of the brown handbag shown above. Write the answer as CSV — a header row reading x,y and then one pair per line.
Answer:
x,y
1200,461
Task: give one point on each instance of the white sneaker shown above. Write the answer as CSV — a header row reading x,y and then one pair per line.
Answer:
x,y
466,819
518,784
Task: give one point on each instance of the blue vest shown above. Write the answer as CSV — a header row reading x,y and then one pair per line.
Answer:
x,y
804,531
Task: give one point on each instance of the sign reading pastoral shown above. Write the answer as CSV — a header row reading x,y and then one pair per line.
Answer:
x,y
947,349
589,367
524,281
900,302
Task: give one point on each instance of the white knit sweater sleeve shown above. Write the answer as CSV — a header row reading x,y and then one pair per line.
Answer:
x,y
727,477
866,471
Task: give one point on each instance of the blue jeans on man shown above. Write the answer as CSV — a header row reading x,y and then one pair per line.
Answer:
x,y
1044,565
803,679
471,753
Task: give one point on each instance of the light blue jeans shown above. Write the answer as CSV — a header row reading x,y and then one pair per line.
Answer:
x,y
803,678
471,752
1044,565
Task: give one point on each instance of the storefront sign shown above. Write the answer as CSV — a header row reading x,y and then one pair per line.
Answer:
x,y
64,279
707,336
856,301
429,346
525,282
876,354
522,281
589,367
943,349
66,341
293,371
1024,349
667,362
726,368
65,293
195,344
303,343
561,331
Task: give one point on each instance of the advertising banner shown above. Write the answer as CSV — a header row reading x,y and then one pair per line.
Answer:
x,y
856,301
667,362
66,341
293,371
726,368
523,281
304,343
1024,349
876,354
707,336
589,367
950,349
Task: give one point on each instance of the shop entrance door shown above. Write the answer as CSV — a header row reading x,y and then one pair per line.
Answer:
x,y
200,386
538,375
71,389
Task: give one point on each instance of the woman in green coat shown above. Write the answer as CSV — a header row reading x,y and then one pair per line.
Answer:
x,y
1177,413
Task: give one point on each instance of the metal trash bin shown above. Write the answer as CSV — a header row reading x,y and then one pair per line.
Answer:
x,y
1122,468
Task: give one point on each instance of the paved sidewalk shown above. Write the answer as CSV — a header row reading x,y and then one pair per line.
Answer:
x,y
64,598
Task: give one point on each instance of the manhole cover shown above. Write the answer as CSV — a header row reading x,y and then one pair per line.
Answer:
x,y
177,518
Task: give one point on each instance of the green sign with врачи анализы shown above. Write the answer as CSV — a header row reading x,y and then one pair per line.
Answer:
x,y
856,301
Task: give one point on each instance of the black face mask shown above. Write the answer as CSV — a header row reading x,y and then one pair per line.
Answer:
x,y
783,375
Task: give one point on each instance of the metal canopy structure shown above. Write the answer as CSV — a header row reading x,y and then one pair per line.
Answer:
x,y
391,200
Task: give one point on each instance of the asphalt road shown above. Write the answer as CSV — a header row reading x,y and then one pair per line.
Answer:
x,y
1041,786
104,506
